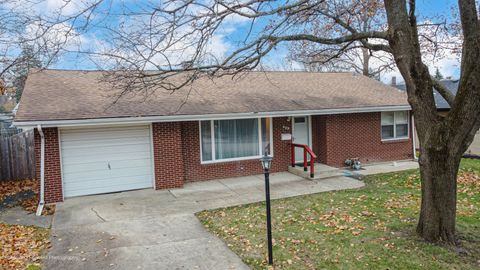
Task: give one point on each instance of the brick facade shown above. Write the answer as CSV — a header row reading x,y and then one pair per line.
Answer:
x,y
176,150
342,136
195,171
167,155
53,176
319,138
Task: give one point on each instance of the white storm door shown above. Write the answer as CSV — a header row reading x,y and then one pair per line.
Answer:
x,y
301,135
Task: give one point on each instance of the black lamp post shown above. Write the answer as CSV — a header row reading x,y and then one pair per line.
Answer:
x,y
266,162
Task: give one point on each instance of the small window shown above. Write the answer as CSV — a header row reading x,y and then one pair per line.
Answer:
x,y
394,125
299,119
206,138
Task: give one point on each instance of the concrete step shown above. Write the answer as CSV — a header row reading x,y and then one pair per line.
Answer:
x,y
320,173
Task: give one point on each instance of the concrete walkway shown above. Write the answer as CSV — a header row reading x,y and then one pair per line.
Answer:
x,y
18,216
149,229
387,167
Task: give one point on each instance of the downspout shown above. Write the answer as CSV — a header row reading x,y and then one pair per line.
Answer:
x,y
42,171
414,140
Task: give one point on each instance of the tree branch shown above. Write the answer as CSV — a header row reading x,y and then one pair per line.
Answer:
x,y
446,94
331,41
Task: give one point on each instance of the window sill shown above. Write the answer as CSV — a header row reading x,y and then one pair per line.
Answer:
x,y
231,160
396,140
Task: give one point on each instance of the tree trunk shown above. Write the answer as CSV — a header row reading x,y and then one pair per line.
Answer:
x,y
438,171
443,139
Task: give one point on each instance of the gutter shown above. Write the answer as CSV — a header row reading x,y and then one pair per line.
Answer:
x,y
42,171
178,118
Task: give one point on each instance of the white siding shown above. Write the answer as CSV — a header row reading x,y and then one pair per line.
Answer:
x,y
107,159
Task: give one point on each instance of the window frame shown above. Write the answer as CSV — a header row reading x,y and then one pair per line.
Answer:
x,y
395,138
212,134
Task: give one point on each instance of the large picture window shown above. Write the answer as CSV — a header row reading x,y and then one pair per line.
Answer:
x,y
223,140
394,125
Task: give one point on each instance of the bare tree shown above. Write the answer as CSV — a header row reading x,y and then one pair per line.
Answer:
x,y
153,43
25,24
443,139
14,35
436,38
362,15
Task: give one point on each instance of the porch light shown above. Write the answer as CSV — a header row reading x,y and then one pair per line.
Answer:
x,y
266,162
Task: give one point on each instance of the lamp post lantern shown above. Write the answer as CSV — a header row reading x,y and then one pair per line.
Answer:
x,y
266,162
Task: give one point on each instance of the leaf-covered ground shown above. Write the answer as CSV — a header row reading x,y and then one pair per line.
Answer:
x,y
368,228
23,193
22,246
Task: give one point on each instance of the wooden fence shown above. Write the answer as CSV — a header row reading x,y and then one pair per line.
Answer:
x,y
17,156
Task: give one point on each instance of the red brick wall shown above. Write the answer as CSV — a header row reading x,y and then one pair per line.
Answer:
x,y
319,138
167,154
53,176
176,149
355,135
195,171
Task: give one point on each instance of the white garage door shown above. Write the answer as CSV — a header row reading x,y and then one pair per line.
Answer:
x,y
101,160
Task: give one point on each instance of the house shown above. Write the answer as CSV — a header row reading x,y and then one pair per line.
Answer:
x,y
443,108
7,106
440,102
213,129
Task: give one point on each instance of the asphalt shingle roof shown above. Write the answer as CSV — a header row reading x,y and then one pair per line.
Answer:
x,y
67,95
440,102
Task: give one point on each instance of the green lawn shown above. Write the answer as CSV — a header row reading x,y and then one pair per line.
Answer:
x,y
368,228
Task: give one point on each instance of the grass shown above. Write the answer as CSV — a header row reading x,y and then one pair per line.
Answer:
x,y
33,267
368,228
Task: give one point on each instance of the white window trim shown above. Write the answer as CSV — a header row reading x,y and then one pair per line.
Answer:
x,y
395,138
212,134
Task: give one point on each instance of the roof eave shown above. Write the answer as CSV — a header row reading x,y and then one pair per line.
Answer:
x,y
178,118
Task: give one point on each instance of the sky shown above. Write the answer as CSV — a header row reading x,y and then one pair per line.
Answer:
x,y
236,28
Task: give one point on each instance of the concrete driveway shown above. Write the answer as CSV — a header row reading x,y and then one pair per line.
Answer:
x,y
149,229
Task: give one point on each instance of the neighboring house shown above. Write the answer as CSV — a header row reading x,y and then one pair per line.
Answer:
x,y
440,102
6,120
93,145
444,108
7,105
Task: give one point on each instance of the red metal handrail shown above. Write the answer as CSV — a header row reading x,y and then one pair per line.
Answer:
x,y
306,150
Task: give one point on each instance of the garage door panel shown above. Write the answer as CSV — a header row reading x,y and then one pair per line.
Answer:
x,y
95,130
79,138
106,181
91,161
72,137
96,133
87,153
95,166
107,174
98,189
107,143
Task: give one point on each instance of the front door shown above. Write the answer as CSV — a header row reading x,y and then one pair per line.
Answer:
x,y
301,135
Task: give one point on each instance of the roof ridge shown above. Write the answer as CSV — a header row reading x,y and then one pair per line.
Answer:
x,y
250,71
